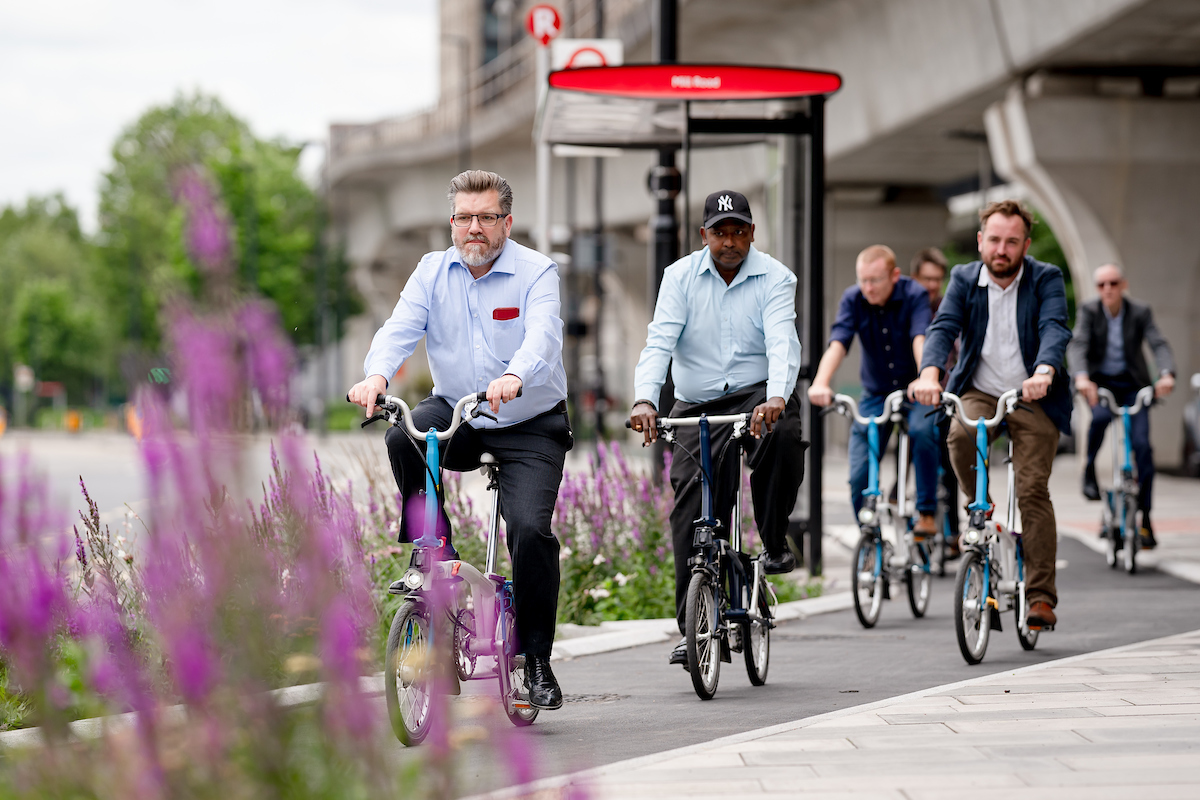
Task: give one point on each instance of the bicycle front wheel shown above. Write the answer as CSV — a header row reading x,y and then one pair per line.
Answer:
x,y
756,647
918,580
972,617
868,576
408,673
1133,537
702,623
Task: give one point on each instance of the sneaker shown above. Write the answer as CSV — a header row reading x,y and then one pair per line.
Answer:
x,y
679,654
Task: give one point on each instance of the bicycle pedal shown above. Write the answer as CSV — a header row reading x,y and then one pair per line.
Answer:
x,y
1041,628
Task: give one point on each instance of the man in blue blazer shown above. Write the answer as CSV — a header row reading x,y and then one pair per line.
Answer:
x,y
1011,313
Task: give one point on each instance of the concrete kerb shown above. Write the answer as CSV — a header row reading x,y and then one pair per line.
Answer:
x,y
553,786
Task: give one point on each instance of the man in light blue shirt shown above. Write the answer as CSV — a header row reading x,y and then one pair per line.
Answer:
x,y
488,309
726,321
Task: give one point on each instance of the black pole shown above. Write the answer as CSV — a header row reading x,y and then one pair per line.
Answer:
x,y
815,230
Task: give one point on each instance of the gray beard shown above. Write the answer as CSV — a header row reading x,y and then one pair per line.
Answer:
x,y
472,259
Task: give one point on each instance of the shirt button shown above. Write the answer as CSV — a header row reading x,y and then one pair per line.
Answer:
x,y
891,365
476,347
885,330
887,347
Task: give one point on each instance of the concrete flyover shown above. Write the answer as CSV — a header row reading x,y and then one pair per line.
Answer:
x,y
1091,107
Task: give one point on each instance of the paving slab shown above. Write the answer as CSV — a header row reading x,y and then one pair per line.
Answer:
x,y
1002,735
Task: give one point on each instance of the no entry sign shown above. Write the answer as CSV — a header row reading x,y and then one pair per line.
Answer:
x,y
543,23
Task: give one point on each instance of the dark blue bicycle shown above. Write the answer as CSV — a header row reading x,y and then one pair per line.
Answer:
x,y
730,603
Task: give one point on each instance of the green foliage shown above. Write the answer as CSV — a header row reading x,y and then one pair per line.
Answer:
x,y
275,217
49,314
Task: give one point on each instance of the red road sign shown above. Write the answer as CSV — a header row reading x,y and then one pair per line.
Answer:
x,y
697,81
543,23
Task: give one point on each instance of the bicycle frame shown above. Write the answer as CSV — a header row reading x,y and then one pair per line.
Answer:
x,y
1125,479
984,533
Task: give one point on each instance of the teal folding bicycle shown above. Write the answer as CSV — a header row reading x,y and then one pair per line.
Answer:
x,y
991,575
1118,523
887,549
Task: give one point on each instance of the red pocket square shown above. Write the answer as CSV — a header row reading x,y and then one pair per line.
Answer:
x,y
506,313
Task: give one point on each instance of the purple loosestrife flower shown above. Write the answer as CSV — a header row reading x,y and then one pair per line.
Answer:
x,y
269,356
207,231
204,353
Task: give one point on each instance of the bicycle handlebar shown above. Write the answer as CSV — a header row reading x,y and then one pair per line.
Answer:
x,y
845,404
1004,406
685,422
1144,399
396,407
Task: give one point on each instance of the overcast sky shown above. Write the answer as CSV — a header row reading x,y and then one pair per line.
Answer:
x,y
74,73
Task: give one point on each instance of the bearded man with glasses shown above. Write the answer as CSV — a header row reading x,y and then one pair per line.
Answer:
x,y
1107,351
488,309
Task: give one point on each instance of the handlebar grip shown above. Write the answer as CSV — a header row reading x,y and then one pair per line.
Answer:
x,y
482,396
629,424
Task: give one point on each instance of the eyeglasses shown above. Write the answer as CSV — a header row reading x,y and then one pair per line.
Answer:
x,y
872,281
486,220
1103,284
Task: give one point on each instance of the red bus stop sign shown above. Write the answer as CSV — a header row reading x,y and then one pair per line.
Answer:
x,y
697,82
543,23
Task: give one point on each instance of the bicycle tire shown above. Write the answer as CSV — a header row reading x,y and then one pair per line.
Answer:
x,y
408,673
1133,537
970,621
510,667
701,621
918,580
867,588
756,639
1112,534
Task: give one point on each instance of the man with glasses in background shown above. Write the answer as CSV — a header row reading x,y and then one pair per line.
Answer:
x,y
888,312
488,309
1106,351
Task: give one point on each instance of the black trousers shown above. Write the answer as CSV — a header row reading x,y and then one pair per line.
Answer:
x,y
949,481
776,462
531,456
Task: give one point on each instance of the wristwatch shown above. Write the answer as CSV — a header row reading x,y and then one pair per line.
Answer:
x,y
1042,369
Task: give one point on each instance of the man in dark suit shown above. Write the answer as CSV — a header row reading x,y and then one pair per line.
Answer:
x,y
1107,351
1011,314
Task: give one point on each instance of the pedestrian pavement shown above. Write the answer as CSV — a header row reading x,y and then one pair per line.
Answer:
x,y
1117,723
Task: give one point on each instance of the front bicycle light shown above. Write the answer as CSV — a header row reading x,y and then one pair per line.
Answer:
x,y
413,579
866,515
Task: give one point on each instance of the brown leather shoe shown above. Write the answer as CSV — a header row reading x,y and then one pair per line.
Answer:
x,y
926,527
1041,616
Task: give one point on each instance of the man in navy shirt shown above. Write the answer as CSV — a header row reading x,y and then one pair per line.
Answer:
x,y
889,313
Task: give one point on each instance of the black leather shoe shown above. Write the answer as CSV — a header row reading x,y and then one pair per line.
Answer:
x,y
1148,542
1091,490
777,565
679,654
543,688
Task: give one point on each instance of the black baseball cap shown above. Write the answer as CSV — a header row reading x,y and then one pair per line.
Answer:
x,y
723,205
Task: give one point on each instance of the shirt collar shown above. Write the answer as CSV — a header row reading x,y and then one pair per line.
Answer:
x,y
754,264
1118,315
985,278
505,262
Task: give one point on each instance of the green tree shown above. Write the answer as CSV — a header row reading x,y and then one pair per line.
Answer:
x,y
276,220
50,312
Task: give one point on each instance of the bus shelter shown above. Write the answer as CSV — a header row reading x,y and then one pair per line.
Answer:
x,y
674,108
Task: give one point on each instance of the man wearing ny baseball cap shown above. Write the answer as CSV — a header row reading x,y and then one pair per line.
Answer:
x,y
725,321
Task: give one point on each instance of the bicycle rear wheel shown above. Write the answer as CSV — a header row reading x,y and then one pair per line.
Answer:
x,y
756,644
918,579
510,666
1133,537
408,672
868,575
1027,637
702,622
972,617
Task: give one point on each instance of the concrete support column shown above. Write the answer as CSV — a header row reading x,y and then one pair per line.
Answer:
x,y
1118,179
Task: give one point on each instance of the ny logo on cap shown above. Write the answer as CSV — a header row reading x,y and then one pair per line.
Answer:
x,y
724,203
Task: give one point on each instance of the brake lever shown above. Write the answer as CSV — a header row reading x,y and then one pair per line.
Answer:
x,y
833,408
375,418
